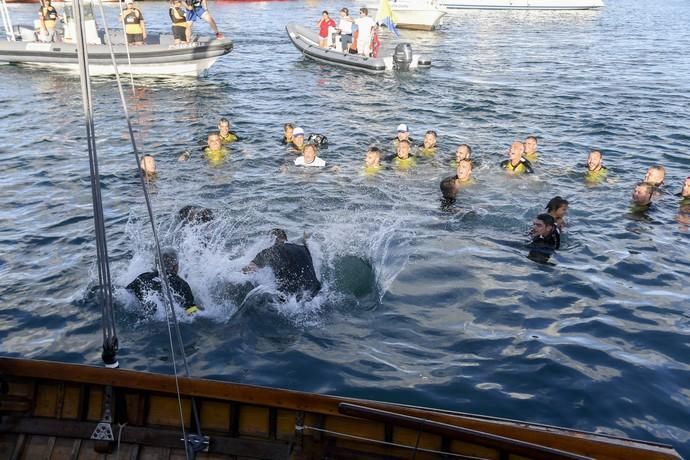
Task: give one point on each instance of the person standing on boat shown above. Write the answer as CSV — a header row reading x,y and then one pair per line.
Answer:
x,y
324,24
150,283
198,9
365,27
345,29
134,24
181,29
48,16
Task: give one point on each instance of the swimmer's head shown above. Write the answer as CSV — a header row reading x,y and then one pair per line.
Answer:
x,y
214,142
195,215
430,139
642,194
449,189
655,175
543,225
224,126
594,160
148,166
531,144
517,149
170,263
403,131
464,170
685,193
373,157
310,152
288,128
404,149
557,207
279,235
298,137
463,152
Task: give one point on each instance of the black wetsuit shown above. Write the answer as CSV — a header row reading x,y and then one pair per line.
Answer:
x,y
149,282
292,266
541,247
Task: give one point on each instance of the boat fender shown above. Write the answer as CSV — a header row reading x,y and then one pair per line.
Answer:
x,y
402,57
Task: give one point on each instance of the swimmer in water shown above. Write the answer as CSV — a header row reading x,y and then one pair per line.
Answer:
x,y
463,152
642,197
372,162
429,144
226,136
557,208
516,163
147,164
545,238
403,160
215,153
194,215
288,129
463,174
449,192
531,153
403,135
685,192
291,263
655,177
596,171
297,143
309,157
150,283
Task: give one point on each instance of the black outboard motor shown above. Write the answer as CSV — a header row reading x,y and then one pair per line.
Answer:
x,y
402,57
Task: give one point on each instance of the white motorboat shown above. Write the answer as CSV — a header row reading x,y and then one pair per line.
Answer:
x,y
158,56
414,14
450,5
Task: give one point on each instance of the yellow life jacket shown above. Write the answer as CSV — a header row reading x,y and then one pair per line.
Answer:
x,y
428,152
371,170
215,157
49,15
532,156
407,163
177,16
230,137
596,176
133,20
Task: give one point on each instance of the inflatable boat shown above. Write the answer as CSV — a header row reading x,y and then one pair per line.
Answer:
x,y
401,58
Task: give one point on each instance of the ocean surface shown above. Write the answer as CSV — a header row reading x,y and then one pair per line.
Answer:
x,y
421,305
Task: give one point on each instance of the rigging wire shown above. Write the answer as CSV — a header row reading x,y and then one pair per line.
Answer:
x,y
171,316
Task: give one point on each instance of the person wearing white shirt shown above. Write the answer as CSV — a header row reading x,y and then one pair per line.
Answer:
x,y
309,157
345,29
365,26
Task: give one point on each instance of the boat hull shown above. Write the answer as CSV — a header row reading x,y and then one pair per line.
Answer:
x,y
415,19
450,5
52,410
183,59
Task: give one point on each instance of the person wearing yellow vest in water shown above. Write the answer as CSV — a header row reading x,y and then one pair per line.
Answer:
x,y
135,29
596,171
429,144
226,136
180,26
372,162
215,153
403,160
516,163
48,16
531,149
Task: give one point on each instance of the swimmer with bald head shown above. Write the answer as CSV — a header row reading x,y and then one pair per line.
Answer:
x,y
516,162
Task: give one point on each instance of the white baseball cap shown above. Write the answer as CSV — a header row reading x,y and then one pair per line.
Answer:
x,y
402,128
297,132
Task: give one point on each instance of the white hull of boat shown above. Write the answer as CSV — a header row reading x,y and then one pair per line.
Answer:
x,y
450,5
188,69
416,19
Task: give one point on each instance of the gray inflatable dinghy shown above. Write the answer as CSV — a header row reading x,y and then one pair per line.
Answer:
x,y
401,58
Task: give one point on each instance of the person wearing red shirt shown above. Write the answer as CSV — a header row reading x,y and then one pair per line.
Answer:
x,y
324,23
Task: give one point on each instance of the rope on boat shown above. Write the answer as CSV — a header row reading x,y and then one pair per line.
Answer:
x,y
105,290
414,449
192,443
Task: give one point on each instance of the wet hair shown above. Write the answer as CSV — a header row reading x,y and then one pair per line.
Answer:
x,y
195,215
223,120
547,219
465,161
596,151
375,150
214,133
448,188
431,131
279,234
469,149
534,138
345,10
647,186
170,263
556,203
312,145
657,168
404,141
288,125
364,10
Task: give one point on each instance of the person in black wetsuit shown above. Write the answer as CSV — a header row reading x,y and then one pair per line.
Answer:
x,y
545,238
150,282
291,263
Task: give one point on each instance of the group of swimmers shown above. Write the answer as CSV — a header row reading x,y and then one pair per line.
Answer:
x,y
183,13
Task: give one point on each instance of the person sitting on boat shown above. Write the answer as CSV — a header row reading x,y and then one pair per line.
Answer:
x,y
214,152
557,207
345,29
291,263
135,29
149,283
324,25
403,160
372,162
226,136
531,148
181,29
48,17
288,129
596,171
429,144
516,163
310,157
148,167
545,238
198,9
365,28
298,139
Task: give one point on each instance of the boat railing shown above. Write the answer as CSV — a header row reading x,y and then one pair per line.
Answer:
x,y
7,21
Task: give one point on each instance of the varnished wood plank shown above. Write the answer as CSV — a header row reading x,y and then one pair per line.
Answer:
x,y
46,400
72,400
254,421
164,410
214,415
